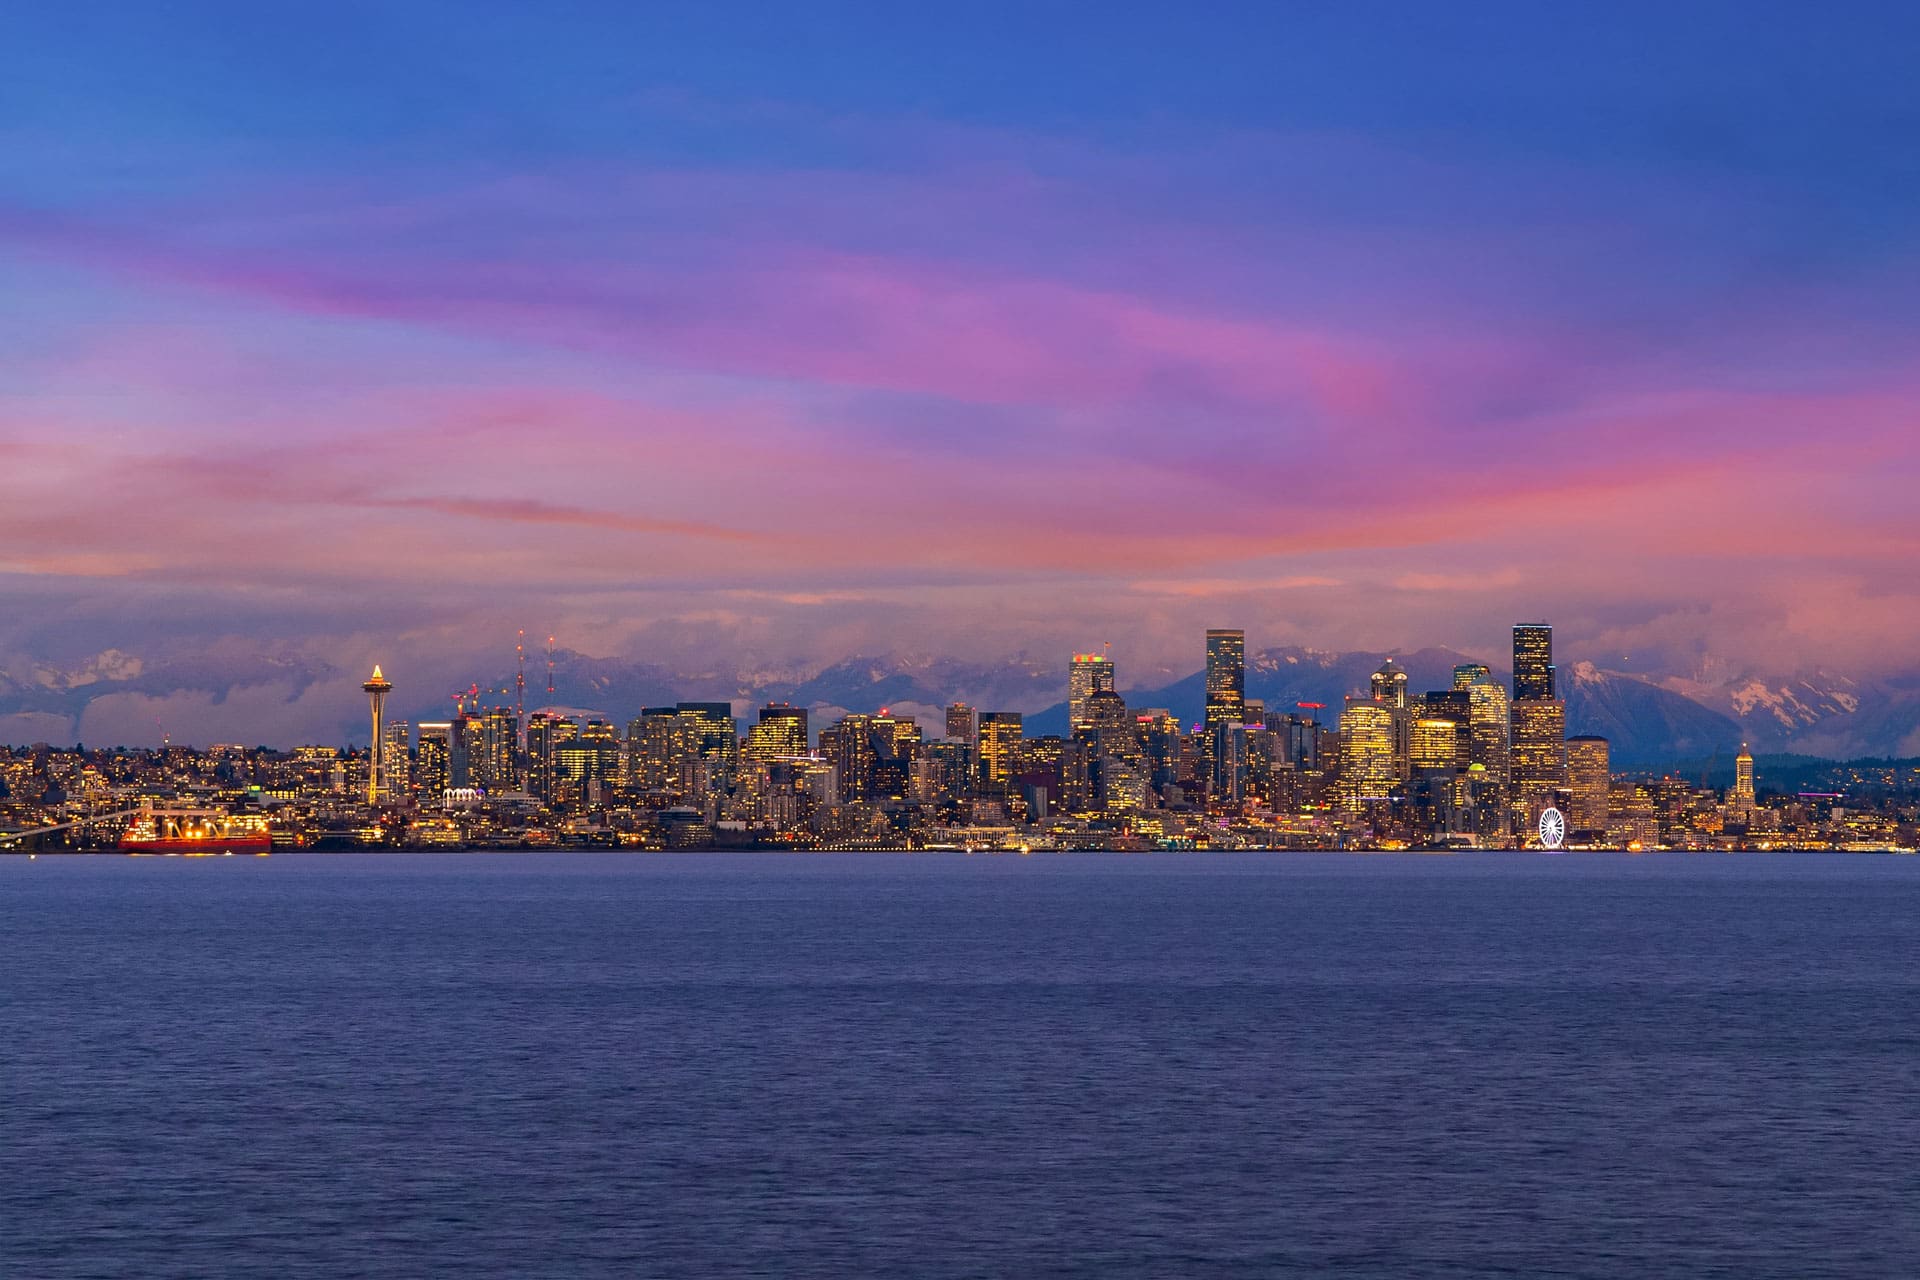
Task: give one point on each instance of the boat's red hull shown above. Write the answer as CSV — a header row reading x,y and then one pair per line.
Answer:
x,y
250,844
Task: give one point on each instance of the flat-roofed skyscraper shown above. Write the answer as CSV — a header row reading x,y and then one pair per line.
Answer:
x,y
1000,734
1226,676
1533,661
434,769
1489,732
540,735
1367,772
1539,756
1589,778
781,733
1090,673
960,723
1539,724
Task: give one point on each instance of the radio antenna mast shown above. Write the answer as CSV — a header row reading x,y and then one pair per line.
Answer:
x,y
520,678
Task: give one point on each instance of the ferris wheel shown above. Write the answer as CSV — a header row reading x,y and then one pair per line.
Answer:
x,y
1553,828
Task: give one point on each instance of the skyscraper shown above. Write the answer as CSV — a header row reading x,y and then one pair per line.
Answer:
x,y
713,741
1390,684
1589,778
1367,772
657,750
960,723
1089,674
432,773
849,745
780,735
1000,733
1539,724
1742,800
1533,661
540,746
1539,756
1226,676
1490,746
377,688
1435,744
500,739
1389,689
395,759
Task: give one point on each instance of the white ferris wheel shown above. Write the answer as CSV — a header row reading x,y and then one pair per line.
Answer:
x,y
1553,828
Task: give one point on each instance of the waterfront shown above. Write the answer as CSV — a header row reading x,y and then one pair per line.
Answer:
x,y
1194,1064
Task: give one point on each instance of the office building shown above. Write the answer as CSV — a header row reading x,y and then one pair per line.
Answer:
x,y
432,765
1000,734
1590,780
781,734
1367,769
1741,800
1226,677
1089,673
1533,675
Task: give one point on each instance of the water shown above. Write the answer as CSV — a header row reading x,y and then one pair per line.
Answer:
x,y
934,1065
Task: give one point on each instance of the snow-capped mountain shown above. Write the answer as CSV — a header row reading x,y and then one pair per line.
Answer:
x,y
234,691
1818,713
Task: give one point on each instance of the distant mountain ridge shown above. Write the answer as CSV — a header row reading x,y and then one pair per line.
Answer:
x,y
233,691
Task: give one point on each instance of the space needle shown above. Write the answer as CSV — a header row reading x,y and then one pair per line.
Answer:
x,y
377,687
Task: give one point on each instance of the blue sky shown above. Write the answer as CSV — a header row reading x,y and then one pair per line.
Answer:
x,y
793,331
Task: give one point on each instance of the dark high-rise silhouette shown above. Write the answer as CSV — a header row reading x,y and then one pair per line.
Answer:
x,y
1533,661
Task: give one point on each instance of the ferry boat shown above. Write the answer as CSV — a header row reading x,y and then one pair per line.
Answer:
x,y
196,833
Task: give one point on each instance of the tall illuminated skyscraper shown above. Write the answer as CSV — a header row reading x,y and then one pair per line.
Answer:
x,y
1590,779
713,742
1490,726
395,759
377,687
960,723
1742,799
848,745
657,750
1533,661
1090,673
1000,734
1390,684
1389,688
433,771
1367,772
500,744
780,735
1539,724
540,747
1226,676
1539,756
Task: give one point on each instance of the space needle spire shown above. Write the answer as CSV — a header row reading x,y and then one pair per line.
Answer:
x,y
377,688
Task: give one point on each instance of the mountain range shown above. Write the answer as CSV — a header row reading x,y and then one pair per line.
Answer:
x,y
238,692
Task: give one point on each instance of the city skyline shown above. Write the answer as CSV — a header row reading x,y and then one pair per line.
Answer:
x,y
1466,761
932,341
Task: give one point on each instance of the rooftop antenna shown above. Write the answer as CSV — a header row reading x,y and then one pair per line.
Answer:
x,y
549,664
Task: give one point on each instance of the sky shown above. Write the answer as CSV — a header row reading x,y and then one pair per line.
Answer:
x,y
717,333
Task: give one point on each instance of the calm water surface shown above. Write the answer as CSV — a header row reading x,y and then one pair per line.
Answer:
x,y
934,1065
